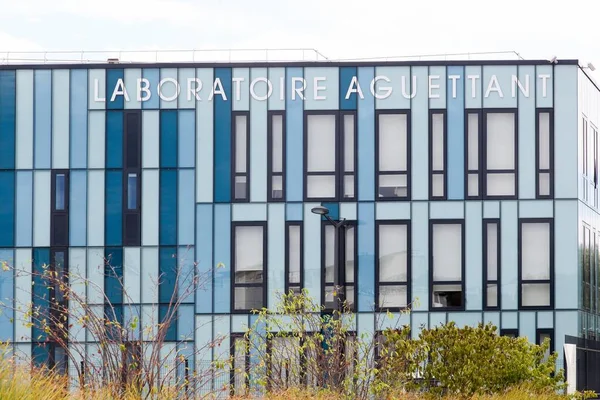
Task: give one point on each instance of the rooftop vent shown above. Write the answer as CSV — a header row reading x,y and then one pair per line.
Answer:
x,y
113,60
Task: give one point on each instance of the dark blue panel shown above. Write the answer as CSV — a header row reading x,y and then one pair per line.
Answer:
x,y
7,208
113,275
40,354
112,78
223,138
114,209
40,294
334,210
168,274
114,139
115,314
168,208
171,334
7,119
168,139
346,75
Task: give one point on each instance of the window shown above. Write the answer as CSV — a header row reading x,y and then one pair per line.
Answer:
x,y
392,154
241,159
293,257
240,371
543,334
447,264
346,261
500,179
276,156
132,191
545,154
491,264
132,185
60,208
587,263
327,176
393,265
249,266
535,263
513,333
472,153
584,159
437,155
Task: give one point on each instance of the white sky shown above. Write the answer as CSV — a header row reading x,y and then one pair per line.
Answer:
x,y
337,28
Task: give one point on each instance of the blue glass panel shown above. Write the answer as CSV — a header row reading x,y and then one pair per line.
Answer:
x,y
114,211
187,138
113,275
222,138
185,323
334,210
185,208
366,137
7,208
40,354
78,208
204,254
114,139
132,191
43,118
24,217
60,192
8,82
168,208
366,256
163,314
222,257
40,295
456,133
168,139
78,115
153,77
346,75
167,274
294,142
7,295
112,78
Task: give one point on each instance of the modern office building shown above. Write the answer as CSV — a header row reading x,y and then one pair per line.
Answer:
x,y
469,190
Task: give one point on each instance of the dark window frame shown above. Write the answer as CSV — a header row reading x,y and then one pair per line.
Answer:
x,y
408,171
538,170
289,224
444,171
545,331
587,282
342,152
270,173
509,332
408,284
64,213
478,171
584,160
498,281
130,167
462,282
232,349
234,174
550,281
264,284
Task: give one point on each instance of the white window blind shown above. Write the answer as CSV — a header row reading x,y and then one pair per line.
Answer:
x,y
447,252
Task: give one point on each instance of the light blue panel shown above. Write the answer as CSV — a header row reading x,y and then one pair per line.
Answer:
x,y
366,138
327,79
150,211
131,321
24,212
277,78
565,255
393,321
276,253
7,295
185,207
150,275
221,329
526,129
566,324
258,139
204,254
97,141
151,138
24,121
527,325
456,133
43,119
131,76
420,256
536,209
446,210
151,78
392,210
22,285
510,320
545,320
204,329
491,209
168,89
186,137
492,317
419,136
79,118
509,255
222,254
419,322
77,208
60,118
473,90
97,89
239,323
95,211
566,121
474,256
437,96
502,98
400,82
437,319
186,259
187,80
543,98
463,319
248,212
366,257
204,139
312,252
348,211
240,92
185,323
294,139
41,208
293,212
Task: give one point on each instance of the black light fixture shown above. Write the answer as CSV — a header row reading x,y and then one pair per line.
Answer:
x,y
320,210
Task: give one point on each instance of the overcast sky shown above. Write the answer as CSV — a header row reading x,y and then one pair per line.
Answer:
x,y
337,28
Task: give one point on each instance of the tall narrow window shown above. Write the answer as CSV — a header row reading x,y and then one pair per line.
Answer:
x,y
536,263
472,150
241,159
132,191
60,208
545,153
543,334
293,257
240,371
447,264
584,159
491,264
437,155
321,156
349,140
249,266
276,156
595,165
393,265
587,268
345,262
132,185
392,155
500,179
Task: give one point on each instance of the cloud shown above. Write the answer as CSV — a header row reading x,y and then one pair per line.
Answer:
x,y
10,43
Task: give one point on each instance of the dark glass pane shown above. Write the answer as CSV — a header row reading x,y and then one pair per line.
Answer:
x,y
60,230
133,132
60,192
132,191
